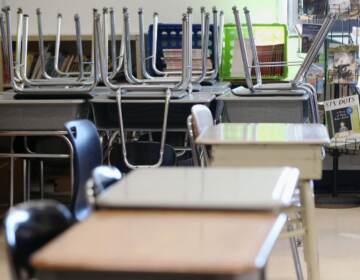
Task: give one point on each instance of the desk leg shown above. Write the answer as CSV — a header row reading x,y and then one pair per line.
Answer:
x,y
25,182
310,237
12,181
42,180
12,166
295,253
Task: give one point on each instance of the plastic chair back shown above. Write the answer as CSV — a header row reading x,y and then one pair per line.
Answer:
x,y
202,119
194,150
87,155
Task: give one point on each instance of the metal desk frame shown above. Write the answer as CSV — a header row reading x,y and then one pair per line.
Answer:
x,y
32,155
307,205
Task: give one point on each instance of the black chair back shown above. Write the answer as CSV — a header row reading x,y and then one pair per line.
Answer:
x,y
142,153
28,227
87,155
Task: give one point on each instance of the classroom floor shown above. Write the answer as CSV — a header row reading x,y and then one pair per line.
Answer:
x,y
339,246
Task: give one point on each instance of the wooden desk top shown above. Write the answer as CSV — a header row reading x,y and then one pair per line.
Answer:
x,y
164,242
264,133
254,188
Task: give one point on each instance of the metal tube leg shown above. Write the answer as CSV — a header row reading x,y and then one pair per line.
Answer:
x,y
335,172
310,237
42,179
295,254
72,179
263,274
24,180
28,179
12,163
12,181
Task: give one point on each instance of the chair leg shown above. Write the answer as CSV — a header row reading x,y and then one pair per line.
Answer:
x,y
24,179
42,179
295,254
28,179
12,163
12,166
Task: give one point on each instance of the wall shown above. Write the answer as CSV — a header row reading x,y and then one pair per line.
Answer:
x,y
263,11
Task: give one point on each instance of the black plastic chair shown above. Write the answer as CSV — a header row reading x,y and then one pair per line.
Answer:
x,y
87,155
102,177
141,153
29,226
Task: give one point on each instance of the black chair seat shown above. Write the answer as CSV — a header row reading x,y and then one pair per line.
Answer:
x,y
172,138
41,145
141,153
28,227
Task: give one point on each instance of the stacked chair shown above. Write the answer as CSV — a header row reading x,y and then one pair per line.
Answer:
x,y
32,224
154,87
295,101
79,86
150,88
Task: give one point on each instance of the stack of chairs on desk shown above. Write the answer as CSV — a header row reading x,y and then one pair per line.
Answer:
x,y
154,104
293,102
76,85
142,120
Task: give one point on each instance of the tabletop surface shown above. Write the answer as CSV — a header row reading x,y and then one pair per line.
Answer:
x,y
264,133
199,188
164,242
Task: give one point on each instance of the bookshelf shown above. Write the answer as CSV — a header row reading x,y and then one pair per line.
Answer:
x,y
67,51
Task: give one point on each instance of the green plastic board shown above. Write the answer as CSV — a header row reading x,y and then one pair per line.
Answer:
x,y
266,35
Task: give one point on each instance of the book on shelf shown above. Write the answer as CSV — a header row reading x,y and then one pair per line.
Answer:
x,y
342,64
313,8
237,64
343,119
309,32
67,62
177,53
35,68
173,59
268,54
70,61
348,9
315,76
30,59
355,36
